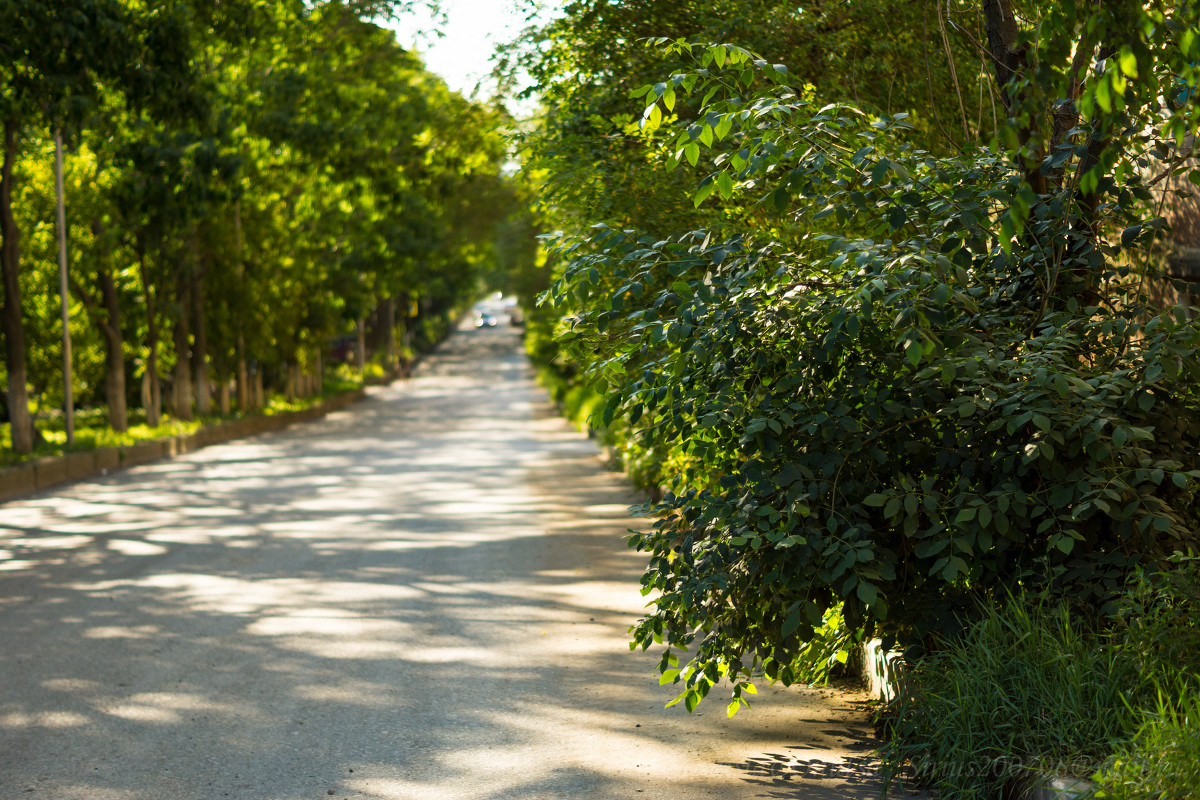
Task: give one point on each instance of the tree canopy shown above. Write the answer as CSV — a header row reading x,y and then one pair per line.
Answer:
x,y
248,183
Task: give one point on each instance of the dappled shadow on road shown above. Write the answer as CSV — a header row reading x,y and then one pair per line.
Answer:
x,y
424,596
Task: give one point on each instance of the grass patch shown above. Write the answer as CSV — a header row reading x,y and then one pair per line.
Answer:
x,y
92,431
1023,694
1162,762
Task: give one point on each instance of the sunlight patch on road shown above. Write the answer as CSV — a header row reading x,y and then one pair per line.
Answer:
x,y
53,542
132,547
222,535
122,632
71,685
327,622
219,594
44,719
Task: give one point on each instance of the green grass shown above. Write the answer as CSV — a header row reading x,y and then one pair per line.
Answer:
x,y
1024,694
92,431
1163,760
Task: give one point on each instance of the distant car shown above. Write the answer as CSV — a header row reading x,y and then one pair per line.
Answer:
x,y
485,321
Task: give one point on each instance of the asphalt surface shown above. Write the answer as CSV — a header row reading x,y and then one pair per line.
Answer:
x,y
423,596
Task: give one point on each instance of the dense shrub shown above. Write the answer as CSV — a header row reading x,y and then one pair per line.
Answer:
x,y
1156,620
927,385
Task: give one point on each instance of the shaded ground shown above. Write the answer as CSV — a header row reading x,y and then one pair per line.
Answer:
x,y
425,596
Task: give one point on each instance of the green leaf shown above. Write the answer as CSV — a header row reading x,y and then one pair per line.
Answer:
x,y
725,185
790,623
913,352
867,593
1128,62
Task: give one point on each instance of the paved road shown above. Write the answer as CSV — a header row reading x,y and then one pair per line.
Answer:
x,y
425,596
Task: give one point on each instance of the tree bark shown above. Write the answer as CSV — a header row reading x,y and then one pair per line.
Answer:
x,y
292,382
259,394
114,382
64,295
389,322
200,351
154,408
11,317
1008,59
243,376
106,316
182,388
360,350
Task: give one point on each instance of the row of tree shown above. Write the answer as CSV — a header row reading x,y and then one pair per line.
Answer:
x,y
244,182
864,283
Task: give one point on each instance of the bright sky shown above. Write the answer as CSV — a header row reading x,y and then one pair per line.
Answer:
x,y
472,31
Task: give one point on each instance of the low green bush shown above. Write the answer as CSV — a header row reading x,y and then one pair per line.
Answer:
x,y
1163,760
1024,693
1156,620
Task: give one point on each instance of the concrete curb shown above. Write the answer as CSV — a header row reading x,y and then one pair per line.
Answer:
x,y
44,473
882,670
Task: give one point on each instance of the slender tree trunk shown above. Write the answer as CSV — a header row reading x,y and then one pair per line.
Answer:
x,y
183,363
389,322
114,382
259,394
154,409
106,316
146,393
13,324
1008,59
64,295
243,376
223,397
200,352
360,350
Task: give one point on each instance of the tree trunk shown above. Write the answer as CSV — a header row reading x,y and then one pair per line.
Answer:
x,y
147,393
182,384
114,339
14,326
360,350
223,397
64,296
1008,59
154,409
259,395
243,376
106,316
389,323
200,352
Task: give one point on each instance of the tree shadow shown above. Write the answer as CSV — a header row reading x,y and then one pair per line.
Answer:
x,y
425,596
